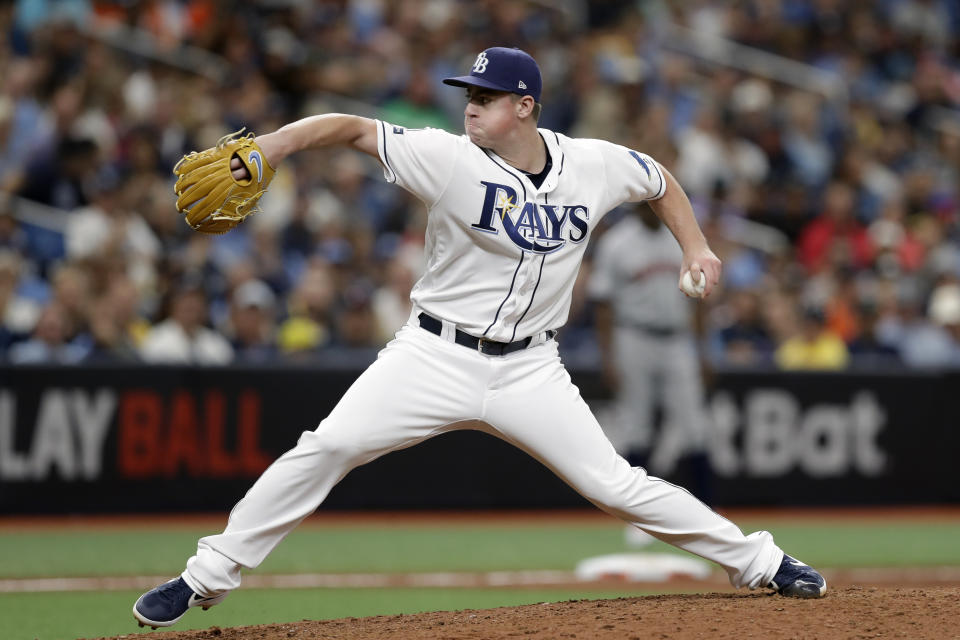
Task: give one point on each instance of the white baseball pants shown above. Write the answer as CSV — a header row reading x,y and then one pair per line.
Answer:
x,y
423,385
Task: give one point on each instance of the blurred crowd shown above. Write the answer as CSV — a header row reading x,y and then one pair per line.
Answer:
x,y
835,211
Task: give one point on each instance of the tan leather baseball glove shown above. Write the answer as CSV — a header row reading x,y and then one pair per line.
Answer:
x,y
210,197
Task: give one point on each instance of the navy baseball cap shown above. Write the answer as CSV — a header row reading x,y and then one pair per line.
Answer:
x,y
503,69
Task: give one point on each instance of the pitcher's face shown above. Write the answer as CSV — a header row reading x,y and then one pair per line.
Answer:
x,y
489,116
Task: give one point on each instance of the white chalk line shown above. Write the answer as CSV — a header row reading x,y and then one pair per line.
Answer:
x,y
908,576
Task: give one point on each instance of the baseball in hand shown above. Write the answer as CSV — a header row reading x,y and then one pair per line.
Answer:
x,y
691,288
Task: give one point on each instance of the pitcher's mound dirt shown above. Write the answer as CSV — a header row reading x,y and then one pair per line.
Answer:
x,y
847,612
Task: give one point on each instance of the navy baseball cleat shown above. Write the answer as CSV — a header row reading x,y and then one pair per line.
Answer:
x,y
164,605
798,580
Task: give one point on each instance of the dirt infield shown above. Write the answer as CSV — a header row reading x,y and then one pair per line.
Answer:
x,y
850,612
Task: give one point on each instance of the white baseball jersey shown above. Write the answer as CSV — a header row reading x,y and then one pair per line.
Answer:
x,y
503,254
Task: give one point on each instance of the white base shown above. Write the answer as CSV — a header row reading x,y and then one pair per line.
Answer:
x,y
642,567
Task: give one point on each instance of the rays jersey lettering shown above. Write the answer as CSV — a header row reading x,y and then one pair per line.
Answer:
x,y
540,228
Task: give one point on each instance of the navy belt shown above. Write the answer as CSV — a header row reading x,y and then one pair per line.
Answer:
x,y
488,347
657,332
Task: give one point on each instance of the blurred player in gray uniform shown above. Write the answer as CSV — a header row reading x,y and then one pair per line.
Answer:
x,y
644,328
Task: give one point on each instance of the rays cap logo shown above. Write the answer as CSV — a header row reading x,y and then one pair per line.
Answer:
x,y
503,69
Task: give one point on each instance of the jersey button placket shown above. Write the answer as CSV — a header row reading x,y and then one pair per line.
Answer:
x,y
520,300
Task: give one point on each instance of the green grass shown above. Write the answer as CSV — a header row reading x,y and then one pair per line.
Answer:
x,y
895,544
361,548
374,548
41,616
483,548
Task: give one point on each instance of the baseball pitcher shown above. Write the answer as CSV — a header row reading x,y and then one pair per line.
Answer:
x,y
511,208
